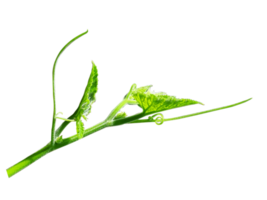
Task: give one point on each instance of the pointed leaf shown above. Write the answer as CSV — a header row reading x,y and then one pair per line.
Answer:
x,y
151,101
89,96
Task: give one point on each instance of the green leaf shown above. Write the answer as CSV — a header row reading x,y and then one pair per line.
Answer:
x,y
59,139
120,115
89,95
134,89
155,102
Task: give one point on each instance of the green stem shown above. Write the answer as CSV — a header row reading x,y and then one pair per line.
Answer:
x,y
116,110
53,83
69,140
131,119
47,149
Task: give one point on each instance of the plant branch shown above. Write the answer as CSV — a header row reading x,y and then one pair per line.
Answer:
x,y
131,119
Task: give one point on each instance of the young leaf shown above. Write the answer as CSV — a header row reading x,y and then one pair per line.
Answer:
x,y
120,115
59,139
161,101
134,89
89,95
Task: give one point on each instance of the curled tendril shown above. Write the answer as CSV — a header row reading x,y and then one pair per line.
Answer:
x,y
69,120
159,121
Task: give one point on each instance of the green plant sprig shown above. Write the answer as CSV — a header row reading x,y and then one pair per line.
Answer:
x,y
151,103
